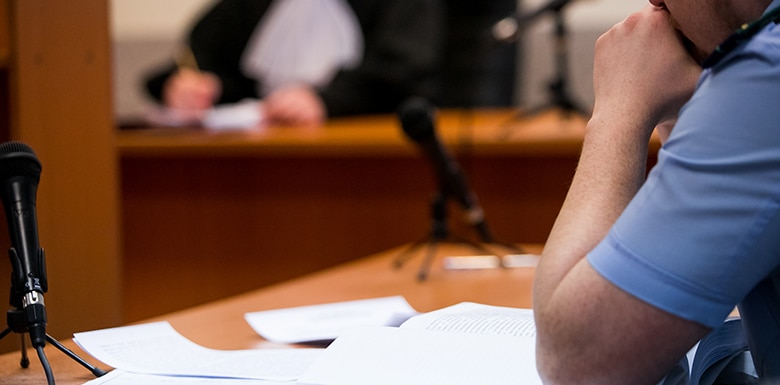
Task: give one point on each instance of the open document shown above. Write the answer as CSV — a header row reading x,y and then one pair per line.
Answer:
x,y
464,344
156,348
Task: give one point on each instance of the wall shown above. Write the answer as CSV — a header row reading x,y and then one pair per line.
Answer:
x,y
153,18
147,32
585,20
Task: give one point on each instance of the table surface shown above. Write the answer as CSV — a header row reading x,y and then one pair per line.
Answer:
x,y
485,131
220,325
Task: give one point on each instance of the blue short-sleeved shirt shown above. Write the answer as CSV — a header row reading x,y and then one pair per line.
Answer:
x,y
705,227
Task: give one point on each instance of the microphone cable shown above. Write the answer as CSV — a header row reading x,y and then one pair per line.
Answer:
x,y
45,365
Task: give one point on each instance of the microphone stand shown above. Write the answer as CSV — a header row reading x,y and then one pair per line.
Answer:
x,y
17,323
559,86
440,233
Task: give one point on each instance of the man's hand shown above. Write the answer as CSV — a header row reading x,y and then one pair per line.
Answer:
x,y
189,89
295,105
643,71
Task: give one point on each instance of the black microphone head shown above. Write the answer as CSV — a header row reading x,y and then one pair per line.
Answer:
x,y
416,116
18,159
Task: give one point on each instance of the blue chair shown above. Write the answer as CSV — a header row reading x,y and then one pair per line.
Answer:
x,y
760,312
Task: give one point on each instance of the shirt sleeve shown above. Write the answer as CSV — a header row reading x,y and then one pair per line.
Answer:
x,y
704,228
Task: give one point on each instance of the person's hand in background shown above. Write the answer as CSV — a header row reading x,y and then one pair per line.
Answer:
x,y
297,105
191,89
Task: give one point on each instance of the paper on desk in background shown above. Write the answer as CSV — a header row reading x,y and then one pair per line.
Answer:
x,y
520,260
472,262
156,348
121,377
243,115
327,321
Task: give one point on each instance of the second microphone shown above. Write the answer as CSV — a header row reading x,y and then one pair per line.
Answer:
x,y
417,117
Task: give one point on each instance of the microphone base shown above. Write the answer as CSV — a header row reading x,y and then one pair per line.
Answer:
x,y
429,244
440,233
17,324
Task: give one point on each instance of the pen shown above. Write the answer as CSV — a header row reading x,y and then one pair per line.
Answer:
x,y
186,59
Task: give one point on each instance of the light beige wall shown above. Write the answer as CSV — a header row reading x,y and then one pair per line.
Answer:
x,y
147,32
152,18
586,20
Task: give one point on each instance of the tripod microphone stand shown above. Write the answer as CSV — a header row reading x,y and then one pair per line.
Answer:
x,y
509,29
559,86
17,323
27,314
416,116
440,233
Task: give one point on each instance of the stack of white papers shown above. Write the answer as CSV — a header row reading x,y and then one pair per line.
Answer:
x,y
121,377
157,349
464,344
155,353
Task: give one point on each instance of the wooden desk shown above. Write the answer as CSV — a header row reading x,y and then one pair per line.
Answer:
x,y
487,132
221,325
209,215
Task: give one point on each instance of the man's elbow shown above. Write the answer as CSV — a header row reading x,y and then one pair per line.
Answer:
x,y
549,361
553,370
563,353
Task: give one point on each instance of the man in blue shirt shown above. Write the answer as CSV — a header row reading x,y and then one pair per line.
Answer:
x,y
637,270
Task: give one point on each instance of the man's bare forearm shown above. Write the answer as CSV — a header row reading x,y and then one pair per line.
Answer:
x,y
612,168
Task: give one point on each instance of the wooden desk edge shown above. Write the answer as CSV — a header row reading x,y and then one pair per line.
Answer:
x,y
486,132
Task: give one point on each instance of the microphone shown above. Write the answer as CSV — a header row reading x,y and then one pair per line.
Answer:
x,y
417,121
20,173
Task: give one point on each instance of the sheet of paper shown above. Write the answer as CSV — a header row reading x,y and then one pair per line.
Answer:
x,y
121,377
170,117
470,317
243,115
326,322
156,348
409,356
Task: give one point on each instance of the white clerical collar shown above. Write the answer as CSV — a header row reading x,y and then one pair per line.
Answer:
x,y
303,41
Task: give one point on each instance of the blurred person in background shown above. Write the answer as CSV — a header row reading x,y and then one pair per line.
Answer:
x,y
306,60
